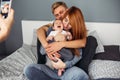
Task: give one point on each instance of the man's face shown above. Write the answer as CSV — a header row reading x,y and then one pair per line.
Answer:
x,y
59,12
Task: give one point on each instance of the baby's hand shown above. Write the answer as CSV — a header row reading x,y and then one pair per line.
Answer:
x,y
69,36
49,38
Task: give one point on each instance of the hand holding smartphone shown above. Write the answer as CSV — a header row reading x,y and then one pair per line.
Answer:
x,y
5,7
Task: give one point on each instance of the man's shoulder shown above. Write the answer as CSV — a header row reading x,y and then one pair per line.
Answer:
x,y
49,24
49,30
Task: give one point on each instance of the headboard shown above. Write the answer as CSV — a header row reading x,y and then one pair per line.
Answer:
x,y
108,32
27,29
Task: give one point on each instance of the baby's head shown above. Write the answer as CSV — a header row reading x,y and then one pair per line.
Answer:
x,y
58,25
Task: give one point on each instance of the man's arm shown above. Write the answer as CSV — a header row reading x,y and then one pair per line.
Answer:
x,y
41,34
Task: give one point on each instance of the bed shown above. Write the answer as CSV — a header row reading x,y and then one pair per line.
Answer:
x,y
11,67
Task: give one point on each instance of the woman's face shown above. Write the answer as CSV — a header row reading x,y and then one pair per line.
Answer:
x,y
66,23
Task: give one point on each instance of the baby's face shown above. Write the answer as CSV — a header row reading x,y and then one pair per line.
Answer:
x,y
5,8
58,25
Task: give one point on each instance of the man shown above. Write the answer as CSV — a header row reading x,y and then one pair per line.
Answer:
x,y
6,25
58,10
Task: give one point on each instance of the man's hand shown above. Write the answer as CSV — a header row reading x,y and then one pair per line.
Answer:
x,y
59,64
52,55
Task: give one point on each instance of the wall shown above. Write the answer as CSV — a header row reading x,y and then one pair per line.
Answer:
x,y
93,10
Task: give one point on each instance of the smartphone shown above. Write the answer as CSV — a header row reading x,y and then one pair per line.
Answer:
x,y
5,7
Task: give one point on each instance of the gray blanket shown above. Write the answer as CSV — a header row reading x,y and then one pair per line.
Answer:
x,y
11,67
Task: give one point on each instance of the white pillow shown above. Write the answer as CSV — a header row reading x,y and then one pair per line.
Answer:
x,y
34,39
100,47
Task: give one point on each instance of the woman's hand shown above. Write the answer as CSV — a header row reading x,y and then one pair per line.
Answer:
x,y
6,24
54,47
59,64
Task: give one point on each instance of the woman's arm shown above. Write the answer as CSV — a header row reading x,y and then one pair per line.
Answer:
x,y
6,25
56,46
75,43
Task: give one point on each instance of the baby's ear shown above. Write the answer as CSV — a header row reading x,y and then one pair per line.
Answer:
x,y
53,27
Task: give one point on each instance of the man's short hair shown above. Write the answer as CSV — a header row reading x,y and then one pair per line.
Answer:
x,y
57,4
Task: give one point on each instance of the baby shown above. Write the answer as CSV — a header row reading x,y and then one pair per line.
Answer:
x,y
58,34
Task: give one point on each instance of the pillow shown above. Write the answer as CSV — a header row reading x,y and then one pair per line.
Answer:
x,y
34,40
100,47
111,53
119,48
108,79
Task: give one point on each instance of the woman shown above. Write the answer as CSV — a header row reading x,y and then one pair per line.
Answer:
x,y
6,25
73,21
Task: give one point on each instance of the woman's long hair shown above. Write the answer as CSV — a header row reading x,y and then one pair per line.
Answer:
x,y
77,22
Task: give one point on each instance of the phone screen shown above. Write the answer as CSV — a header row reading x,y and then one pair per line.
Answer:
x,y
5,7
